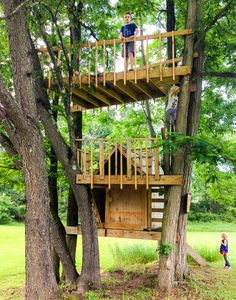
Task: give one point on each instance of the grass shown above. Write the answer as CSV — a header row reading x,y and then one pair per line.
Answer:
x,y
12,259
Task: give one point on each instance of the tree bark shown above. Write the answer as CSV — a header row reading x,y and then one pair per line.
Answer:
x,y
192,126
171,213
40,278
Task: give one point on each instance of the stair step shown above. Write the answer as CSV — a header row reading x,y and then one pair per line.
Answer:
x,y
158,200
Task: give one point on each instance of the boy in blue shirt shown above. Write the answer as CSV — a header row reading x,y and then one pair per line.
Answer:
x,y
127,31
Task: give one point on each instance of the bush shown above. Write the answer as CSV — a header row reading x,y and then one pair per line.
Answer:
x,y
133,254
6,208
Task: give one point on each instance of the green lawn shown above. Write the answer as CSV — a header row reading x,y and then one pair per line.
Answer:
x,y
12,253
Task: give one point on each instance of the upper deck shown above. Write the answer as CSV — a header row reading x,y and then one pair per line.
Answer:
x,y
102,80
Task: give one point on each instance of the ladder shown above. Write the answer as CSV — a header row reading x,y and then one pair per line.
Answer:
x,y
157,208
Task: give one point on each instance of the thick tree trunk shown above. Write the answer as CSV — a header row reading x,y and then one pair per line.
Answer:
x,y
40,278
192,126
171,213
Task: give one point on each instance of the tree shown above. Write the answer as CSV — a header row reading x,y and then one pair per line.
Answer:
x,y
22,127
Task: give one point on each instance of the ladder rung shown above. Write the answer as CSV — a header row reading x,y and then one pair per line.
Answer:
x,y
157,220
157,209
158,200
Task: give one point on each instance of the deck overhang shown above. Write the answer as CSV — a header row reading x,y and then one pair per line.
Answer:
x,y
124,87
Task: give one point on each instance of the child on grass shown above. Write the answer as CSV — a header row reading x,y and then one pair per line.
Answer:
x,y
127,31
224,249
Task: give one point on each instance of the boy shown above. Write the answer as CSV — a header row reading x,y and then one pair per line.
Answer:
x,y
127,31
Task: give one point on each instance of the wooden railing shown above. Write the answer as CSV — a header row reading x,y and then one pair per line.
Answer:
x,y
121,161
93,58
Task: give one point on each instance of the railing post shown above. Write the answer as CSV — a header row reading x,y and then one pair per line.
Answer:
x,y
173,54
104,63
121,165
135,166
101,158
91,163
114,46
147,64
147,170
161,67
96,64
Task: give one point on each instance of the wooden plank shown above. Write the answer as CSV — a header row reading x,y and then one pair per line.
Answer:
x,y
121,165
157,220
163,180
147,171
173,53
142,74
91,163
147,60
126,90
158,200
138,38
124,226
98,95
96,64
85,96
199,259
133,234
158,210
110,93
144,89
114,58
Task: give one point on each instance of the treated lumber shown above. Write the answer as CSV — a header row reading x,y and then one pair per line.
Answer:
x,y
198,258
111,42
163,180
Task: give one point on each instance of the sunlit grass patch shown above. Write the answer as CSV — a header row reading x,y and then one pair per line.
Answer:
x,y
133,254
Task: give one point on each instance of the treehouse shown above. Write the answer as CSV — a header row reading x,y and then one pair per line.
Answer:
x,y
124,174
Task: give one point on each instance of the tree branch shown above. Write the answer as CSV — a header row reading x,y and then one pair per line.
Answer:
x,y
18,8
219,74
220,14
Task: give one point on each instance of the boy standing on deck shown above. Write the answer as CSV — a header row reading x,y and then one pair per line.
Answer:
x,y
127,31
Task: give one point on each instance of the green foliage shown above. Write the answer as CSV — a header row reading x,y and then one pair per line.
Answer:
x,y
6,209
165,249
133,254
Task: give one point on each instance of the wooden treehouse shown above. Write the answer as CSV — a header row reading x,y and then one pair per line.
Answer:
x,y
124,174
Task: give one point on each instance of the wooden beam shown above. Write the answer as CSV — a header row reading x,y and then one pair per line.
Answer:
x,y
199,259
126,90
80,93
142,74
110,93
98,95
138,38
120,233
143,88
163,180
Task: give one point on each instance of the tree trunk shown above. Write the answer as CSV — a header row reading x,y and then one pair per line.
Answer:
x,y
192,126
171,213
40,278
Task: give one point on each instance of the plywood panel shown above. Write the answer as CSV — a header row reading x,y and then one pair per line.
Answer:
x,y
126,208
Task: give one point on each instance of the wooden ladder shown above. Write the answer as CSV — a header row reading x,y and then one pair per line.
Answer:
x,y
157,208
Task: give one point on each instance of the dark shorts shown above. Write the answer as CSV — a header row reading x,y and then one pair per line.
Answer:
x,y
129,47
171,115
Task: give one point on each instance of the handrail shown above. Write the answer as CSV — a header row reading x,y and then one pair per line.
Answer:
x,y
93,67
119,41
137,158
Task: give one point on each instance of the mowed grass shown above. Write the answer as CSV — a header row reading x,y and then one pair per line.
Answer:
x,y
12,260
